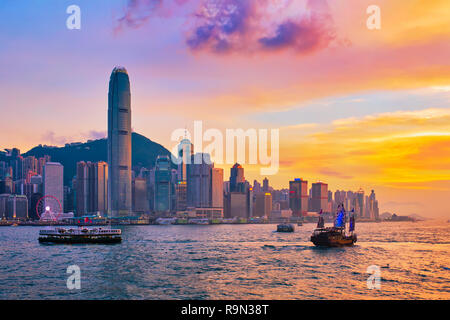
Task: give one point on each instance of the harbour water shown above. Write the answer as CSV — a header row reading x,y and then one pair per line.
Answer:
x,y
231,262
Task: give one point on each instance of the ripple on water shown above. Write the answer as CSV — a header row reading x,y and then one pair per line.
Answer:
x,y
237,262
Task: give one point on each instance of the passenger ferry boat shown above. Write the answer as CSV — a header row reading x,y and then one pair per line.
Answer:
x,y
285,227
335,236
200,221
80,235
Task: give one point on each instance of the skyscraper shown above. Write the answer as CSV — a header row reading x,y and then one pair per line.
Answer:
x,y
319,197
185,152
298,197
53,174
91,187
163,185
236,178
265,185
82,190
216,188
359,208
140,198
263,204
199,182
119,144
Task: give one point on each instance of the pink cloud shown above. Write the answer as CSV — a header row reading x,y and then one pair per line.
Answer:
x,y
224,26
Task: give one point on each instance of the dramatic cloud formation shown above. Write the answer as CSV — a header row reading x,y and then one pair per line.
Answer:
x,y
234,25
222,26
398,149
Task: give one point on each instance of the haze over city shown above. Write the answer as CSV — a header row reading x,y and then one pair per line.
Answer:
x,y
355,107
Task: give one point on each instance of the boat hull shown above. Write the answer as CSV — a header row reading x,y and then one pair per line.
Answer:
x,y
79,239
324,240
285,228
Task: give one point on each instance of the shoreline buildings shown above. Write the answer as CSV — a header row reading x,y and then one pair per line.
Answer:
x,y
188,189
119,144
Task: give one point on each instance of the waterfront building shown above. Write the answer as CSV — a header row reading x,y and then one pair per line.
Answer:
x,y
359,203
319,197
3,202
263,205
278,214
216,188
53,176
236,205
298,197
163,185
17,207
119,144
100,180
181,193
91,188
199,189
35,197
140,200
82,194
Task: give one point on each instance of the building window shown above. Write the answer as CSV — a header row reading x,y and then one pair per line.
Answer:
x,y
123,132
123,110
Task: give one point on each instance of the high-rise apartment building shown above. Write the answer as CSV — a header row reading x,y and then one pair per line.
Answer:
x,y
298,197
53,176
319,197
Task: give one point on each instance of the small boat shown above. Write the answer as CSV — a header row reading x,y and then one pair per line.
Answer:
x,y
165,221
285,227
80,235
200,221
334,236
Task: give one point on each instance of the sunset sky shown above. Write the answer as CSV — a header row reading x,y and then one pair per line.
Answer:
x,y
355,107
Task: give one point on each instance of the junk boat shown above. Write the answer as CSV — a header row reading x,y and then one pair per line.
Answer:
x,y
285,227
335,236
80,235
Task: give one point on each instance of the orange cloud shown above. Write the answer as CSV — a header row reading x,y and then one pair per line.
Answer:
x,y
405,150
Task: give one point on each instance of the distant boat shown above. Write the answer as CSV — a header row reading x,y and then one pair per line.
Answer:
x,y
200,221
80,235
285,227
165,221
335,236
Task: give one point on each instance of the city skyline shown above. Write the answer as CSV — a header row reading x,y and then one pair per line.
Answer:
x,y
383,127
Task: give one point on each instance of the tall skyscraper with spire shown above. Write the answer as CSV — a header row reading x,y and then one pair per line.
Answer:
x,y
119,144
